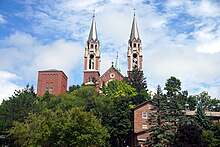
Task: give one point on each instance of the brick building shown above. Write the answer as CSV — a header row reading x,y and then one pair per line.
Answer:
x,y
53,81
92,58
141,114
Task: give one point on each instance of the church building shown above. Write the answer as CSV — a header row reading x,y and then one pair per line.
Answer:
x,y
92,58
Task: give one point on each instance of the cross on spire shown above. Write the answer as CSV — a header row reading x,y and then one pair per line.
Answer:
x,y
93,13
134,11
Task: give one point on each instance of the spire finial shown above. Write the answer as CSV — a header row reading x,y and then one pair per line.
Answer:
x,y
93,13
134,11
93,31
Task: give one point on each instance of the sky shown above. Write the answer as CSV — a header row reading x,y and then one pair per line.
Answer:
x,y
180,38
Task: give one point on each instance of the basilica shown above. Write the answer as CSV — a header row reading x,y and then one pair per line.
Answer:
x,y
92,58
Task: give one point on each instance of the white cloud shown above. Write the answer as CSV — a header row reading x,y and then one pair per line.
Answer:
x,y
176,37
203,8
2,19
24,55
7,84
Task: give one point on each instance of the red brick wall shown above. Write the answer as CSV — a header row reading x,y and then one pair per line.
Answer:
x,y
88,74
139,121
55,79
107,76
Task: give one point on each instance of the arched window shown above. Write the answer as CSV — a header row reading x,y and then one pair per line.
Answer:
x,y
91,61
135,61
134,44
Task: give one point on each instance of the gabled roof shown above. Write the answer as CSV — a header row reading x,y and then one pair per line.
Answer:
x,y
112,67
142,104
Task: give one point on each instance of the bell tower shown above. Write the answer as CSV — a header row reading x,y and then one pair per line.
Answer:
x,y
134,49
92,57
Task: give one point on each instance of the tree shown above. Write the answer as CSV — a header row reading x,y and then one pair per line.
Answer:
x,y
161,132
17,107
175,101
167,115
188,136
137,80
212,136
72,88
60,128
214,105
201,120
173,86
119,119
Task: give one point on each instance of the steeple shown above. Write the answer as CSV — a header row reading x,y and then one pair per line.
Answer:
x,y
117,64
93,32
134,30
92,56
134,49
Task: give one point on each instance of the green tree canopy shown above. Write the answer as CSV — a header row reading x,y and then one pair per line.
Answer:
x,y
60,128
173,86
188,136
17,107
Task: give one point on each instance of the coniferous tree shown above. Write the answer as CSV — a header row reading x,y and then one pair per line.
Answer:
x,y
137,80
201,119
161,132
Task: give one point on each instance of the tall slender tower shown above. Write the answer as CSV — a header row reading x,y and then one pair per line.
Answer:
x,y
134,49
92,57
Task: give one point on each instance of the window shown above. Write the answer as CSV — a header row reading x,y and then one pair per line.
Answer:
x,y
51,89
91,61
144,114
92,45
134,44
144,126
47,89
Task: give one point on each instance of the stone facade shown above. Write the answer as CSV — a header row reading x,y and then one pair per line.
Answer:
x,y
53,81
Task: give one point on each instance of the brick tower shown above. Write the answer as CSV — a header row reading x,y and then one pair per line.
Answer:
x,y
134,49
92,57
53,81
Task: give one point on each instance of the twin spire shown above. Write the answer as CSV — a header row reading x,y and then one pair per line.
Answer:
x,y
134,35
134,30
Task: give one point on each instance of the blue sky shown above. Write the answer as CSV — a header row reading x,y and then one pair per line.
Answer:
x,y
180,38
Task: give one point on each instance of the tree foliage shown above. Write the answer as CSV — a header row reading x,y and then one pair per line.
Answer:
x,y
17,107
212,136
188,136
119,120
173,86
60,128
161,132
201,120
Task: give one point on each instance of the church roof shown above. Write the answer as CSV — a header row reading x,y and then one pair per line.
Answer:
x,y
134,30
93,32
112,67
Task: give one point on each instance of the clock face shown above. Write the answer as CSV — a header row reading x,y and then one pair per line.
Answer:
x,y
112,75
